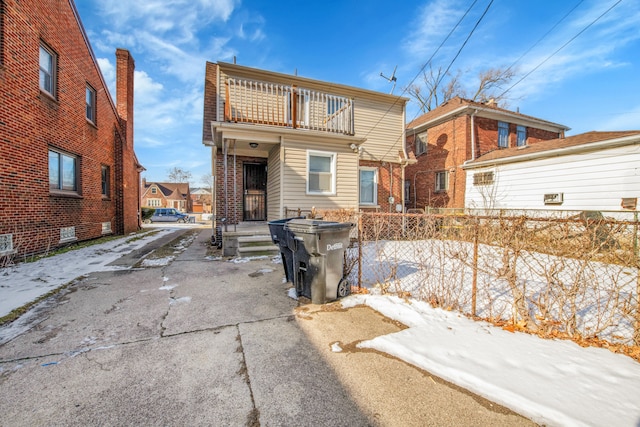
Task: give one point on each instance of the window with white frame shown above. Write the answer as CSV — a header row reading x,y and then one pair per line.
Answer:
x,y
321,169
48,61
62,171
368,186
421,143
90,96
442,181
503,134
521,133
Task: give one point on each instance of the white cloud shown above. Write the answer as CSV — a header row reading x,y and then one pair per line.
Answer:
x,y
109,73
432,24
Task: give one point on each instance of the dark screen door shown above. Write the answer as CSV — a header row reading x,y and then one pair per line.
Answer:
x,y
255,192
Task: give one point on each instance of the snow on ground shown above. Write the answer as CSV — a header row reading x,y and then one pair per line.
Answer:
x,y
552,382
25,282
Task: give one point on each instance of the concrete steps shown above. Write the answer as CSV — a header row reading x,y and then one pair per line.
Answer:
x,y
256,245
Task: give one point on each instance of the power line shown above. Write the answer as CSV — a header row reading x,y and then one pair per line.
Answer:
x,y
465,42
422,69
560,48
544,36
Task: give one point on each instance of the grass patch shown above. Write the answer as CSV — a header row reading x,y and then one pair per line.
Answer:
x,y
17,312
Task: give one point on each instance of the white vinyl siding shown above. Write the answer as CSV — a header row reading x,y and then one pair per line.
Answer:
x,y
383,127
588,181
274,184
294,185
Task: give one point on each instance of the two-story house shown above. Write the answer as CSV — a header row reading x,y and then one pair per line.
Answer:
x,y
460,131
68,170
175,195
284,142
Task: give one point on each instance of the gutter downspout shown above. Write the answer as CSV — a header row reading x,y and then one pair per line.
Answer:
x,y
473,135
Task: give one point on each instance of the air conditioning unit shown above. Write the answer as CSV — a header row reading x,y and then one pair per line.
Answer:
x,y
553,198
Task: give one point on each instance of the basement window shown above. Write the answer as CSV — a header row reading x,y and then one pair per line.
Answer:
x,y
6,244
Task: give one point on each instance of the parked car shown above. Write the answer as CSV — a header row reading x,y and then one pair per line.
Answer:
x,y
168,215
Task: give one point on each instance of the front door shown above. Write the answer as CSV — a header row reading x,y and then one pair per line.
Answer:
x,y
255,192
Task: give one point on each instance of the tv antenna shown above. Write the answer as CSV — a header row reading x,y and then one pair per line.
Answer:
x,y
391,79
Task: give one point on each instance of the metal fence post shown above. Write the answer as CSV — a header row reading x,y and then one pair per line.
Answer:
x,y
474,284
360,250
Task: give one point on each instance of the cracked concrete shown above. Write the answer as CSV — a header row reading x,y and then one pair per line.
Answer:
x,y
203,342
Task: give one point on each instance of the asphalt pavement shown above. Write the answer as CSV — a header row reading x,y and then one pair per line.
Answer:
x,y
205,341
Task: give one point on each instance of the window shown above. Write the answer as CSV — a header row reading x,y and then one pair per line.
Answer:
x,y
421,143
47,70
106,179
483,178
368,186
6,244
321,169
521,133
442,181
91,104
62,171
154,190
503,134
153,203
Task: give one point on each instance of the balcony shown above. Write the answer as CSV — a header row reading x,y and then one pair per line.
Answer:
x,y
265,103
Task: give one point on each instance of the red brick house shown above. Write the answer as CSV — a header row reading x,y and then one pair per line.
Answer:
x,y
456,132
68,170
167,195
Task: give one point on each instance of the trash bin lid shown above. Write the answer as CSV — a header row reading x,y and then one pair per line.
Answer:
x,y
316,226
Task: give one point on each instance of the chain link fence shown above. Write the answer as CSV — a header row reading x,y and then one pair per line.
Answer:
x,y
556,274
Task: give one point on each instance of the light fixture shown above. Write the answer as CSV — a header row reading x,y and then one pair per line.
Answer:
x,y
253,145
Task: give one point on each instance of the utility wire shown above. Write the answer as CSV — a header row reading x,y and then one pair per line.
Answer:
x,y
560,48
422,68
543,37
465,43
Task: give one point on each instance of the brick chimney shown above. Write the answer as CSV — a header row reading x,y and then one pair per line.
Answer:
x,y
125,65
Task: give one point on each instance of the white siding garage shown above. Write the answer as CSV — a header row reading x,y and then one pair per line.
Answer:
x,y
592,171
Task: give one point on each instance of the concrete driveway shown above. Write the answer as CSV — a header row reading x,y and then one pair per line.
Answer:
x,y
206,342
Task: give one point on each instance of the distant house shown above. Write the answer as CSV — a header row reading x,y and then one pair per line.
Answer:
x,y
68,170
283,142
590,171
201,198
175,195
460,131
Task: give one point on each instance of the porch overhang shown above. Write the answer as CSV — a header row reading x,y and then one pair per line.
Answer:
x,y
245,134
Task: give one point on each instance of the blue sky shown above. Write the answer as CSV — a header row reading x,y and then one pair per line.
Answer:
x,y
591,84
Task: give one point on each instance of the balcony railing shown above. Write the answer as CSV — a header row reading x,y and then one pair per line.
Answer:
x,y
249,101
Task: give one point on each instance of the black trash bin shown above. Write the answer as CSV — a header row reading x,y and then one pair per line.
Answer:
x,y
318,258
279,237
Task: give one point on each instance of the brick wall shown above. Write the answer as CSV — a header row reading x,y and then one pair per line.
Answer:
x,y
210,94
448,147
32,122
389,184
230,207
